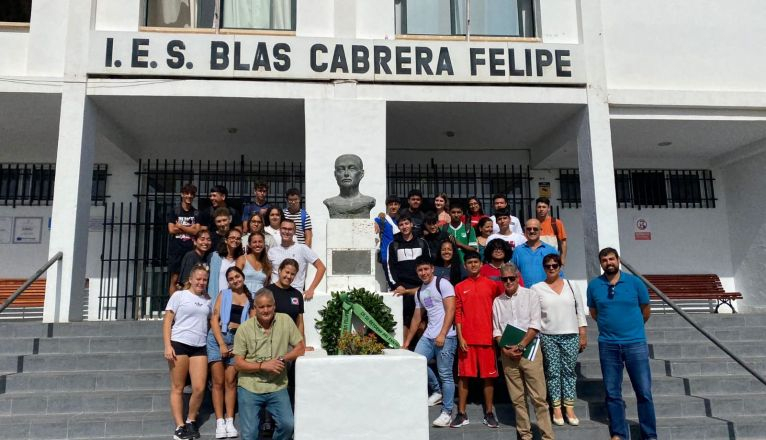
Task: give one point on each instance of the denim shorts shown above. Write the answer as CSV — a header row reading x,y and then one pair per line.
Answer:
x,y
214,351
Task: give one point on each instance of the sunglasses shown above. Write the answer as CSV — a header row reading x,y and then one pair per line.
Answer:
x,y
610,291
551,266
508,279
533,229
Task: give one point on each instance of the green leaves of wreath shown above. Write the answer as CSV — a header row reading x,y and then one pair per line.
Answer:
x,y
331,316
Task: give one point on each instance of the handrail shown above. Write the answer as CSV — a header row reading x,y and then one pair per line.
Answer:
x,y
704,332
30,280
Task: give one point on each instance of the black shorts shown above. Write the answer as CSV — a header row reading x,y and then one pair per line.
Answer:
x,y
408,309
176,252
182,349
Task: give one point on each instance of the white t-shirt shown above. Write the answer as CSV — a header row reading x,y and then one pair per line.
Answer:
x,y
433,302
223,283
562,313
515,240
190,320
515,225
274,233
300,253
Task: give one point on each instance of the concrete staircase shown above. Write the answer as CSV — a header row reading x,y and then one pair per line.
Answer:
x,y
699,392
109,380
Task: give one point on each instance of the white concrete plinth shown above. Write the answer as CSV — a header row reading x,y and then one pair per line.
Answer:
x,y
380,397
351,235
312,308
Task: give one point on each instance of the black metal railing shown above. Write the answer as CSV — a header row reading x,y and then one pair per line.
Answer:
x,y
699,328
648,188
58,256
31,184
461,181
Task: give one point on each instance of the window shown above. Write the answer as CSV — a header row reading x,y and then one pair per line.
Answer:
x,y
234,14
23,184
15,11
503,18
648,188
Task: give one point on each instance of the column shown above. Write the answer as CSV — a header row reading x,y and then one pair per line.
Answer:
x,y
64,291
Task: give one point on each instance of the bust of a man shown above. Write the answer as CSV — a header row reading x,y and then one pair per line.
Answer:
x,y
350,203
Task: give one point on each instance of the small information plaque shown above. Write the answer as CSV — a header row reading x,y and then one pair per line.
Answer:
x,y
351,262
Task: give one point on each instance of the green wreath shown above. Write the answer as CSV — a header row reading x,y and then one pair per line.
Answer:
x,y
329,322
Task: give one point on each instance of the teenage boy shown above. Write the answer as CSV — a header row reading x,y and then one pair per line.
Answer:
x,y
552,229
259,205
414,211
218,195
385,227
476,349
499,202
436,300
433,234
304,255
183,224
200,255
301,218
402,253
503,219
222,224
462,236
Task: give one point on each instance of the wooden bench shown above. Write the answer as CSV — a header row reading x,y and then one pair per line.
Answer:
x,y
34,296
703,287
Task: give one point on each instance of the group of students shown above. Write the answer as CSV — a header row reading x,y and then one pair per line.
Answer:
x,y
224,274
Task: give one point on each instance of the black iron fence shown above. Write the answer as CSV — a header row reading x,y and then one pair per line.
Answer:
x,y
461,181
134,279
31,184
648,188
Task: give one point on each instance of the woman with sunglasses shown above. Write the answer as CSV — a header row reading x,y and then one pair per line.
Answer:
x,y
563,336
232,308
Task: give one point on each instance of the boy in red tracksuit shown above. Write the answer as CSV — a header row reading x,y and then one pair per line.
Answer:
x,y
476,352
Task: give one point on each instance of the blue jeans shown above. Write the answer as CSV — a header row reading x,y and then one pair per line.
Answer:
x,y
635,358
276,403
445,358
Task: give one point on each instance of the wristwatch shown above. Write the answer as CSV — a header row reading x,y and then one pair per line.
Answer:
x,y
281,359
521,347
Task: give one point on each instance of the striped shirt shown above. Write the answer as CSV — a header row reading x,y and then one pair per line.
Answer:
x,y
300,235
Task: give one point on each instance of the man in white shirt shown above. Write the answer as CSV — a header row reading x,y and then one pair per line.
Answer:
x,y
500,202
301,253
520,307
503,218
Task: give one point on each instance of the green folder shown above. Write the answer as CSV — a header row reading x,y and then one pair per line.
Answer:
x,y
513,336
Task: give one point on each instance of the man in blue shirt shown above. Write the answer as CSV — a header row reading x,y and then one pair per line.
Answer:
x,y
619,302
528,257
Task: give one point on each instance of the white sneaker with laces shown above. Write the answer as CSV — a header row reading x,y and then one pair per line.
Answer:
x,y
231,431
220,428
443,420
434,399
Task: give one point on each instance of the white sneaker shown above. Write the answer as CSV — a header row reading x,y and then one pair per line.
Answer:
x,y
443,420
434,399
231,431
220,428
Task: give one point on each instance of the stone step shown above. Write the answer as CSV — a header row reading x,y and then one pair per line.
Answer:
x,y
593,389
152,360
668,428
591,368
87,381
108,328
18,346
78,402
685,350
707,320
101,344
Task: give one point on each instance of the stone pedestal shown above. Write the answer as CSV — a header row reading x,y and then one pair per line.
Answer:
x,y
351,259
361,397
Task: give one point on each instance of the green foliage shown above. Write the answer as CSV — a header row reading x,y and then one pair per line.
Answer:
x,y
330,317
352,343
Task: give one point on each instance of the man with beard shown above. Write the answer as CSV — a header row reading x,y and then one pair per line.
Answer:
x,y
619,302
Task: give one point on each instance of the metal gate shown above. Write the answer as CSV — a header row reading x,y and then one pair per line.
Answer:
x,y
134,248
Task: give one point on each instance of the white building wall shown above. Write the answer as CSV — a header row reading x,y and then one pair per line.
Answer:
x,y
685,45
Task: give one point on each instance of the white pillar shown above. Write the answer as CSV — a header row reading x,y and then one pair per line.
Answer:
x,y
594,146
64,291
338,126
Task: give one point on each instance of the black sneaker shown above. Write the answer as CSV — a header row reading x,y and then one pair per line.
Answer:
x,y
191,428
490,420
181,433
459,420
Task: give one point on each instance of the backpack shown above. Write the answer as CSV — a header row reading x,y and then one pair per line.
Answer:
x,y
438,289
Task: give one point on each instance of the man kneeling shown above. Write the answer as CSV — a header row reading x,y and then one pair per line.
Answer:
x,y
520,307
261,353
436,298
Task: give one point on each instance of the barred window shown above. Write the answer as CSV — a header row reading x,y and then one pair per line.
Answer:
x,y
647,188
31,184
15,11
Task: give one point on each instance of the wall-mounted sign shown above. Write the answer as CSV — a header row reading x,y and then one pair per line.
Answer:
x,y
256,56
6,229
544,189
27,230
641,228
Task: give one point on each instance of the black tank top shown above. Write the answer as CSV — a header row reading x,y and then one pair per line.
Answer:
x,y
236,314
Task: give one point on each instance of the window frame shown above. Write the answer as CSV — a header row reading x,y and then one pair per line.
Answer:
x,y
32,184
468,36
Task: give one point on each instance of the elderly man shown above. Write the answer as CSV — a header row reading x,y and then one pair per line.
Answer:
x,y
619,302
520,307
301,253
262,350
528,257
